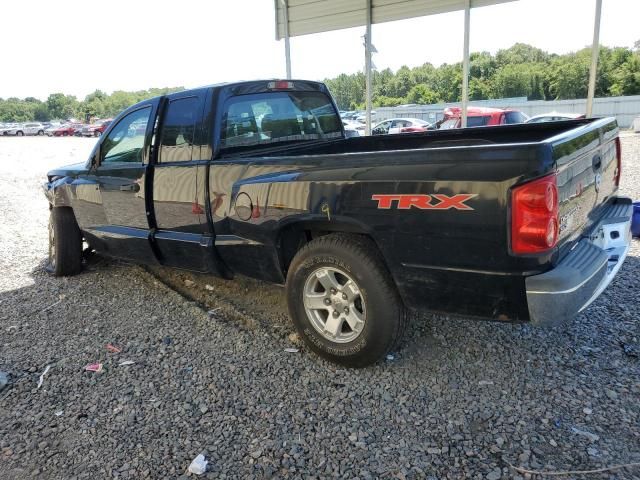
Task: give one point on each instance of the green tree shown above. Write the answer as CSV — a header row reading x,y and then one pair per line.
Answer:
x,y
62,106
422,95
519,80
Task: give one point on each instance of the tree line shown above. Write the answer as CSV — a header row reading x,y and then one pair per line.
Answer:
x,y
519,71
59,106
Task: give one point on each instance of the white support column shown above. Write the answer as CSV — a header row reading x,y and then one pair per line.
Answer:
x,y
367,68
595,51
287,47
465,62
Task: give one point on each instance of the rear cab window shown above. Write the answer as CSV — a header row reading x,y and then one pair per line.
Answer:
x,y
478,121
278,117
514,117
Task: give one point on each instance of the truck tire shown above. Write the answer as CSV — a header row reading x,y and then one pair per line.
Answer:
x,y
343,301
65,243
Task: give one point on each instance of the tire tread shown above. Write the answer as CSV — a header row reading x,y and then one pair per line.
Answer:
x,y
371,260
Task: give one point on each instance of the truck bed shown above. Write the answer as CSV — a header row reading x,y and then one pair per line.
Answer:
x,y
499,135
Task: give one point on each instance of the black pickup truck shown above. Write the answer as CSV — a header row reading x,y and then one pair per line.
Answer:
x,y
511,223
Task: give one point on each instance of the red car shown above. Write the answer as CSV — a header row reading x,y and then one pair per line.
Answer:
x,y
96,129
481,117
67,130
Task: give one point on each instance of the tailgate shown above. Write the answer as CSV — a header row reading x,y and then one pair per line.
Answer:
x,y
588,170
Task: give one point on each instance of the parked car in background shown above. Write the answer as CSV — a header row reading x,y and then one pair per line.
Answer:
x,y
400,125
481,117
5,128
96,129
68,130
49,131
554,117
362,116
353,129
27,129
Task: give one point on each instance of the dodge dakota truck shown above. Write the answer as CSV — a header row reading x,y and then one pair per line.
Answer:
x,y
517,223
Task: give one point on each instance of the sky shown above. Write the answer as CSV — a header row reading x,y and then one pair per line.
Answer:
x,y
76,47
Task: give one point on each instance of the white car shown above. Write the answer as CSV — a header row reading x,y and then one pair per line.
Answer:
x,y
353,129
49,131
4,129
400,125
554,117
27,129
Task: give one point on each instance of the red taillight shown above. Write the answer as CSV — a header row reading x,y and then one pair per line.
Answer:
x,y
280,85
618,172
534,216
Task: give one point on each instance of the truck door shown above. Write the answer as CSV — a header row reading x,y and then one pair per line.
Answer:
x,y
121,176
181,236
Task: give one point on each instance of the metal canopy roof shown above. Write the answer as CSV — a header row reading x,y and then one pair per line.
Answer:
x,y
315,16
304,17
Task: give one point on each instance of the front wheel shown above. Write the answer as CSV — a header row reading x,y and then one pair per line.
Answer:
x,y
343,301
19,134
40,133
65,243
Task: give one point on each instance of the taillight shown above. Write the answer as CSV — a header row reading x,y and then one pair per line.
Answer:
x,y
534,216
618,172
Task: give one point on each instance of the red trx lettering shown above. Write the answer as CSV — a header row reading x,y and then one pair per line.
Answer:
x,y
423,202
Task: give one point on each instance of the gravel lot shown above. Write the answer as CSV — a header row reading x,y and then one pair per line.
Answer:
x,y
460,400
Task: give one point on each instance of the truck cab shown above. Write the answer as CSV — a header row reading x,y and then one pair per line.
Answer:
x,y
481,117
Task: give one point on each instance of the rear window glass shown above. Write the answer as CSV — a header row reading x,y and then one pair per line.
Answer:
x,y
449,124
178,130
274,117
514,117
478,121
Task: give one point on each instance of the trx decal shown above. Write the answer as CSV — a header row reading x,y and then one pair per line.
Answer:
x,y
424,202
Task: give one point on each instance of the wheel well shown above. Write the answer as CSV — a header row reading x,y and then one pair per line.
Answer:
x,y
293,237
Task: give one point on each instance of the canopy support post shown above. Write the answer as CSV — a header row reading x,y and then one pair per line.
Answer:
x,y
595,52
465,63
367,68
287,46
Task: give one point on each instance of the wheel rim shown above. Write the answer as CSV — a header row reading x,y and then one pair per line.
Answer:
x,y
334,304
52,246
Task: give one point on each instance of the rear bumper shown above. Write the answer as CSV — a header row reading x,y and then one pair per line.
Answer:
x,y
561,293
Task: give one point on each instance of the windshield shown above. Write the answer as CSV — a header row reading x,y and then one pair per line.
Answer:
x,y
514,117
448,124
274,117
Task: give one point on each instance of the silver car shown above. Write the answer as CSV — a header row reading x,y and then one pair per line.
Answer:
x,y
27,129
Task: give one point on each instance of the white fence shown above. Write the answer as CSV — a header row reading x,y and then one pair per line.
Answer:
x,y
625,109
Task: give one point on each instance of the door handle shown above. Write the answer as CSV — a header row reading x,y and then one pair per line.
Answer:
x,y
134,187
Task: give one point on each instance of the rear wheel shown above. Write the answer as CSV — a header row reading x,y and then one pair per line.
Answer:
x,y
65,243
343,301
40,132
65,134
97,133
19,134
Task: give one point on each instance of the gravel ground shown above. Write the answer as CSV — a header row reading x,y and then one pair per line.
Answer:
x,y
460,400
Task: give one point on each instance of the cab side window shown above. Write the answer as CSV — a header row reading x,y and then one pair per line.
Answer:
x,y
125,143
178,133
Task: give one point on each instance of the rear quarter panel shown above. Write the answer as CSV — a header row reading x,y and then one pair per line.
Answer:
x,y
336,192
